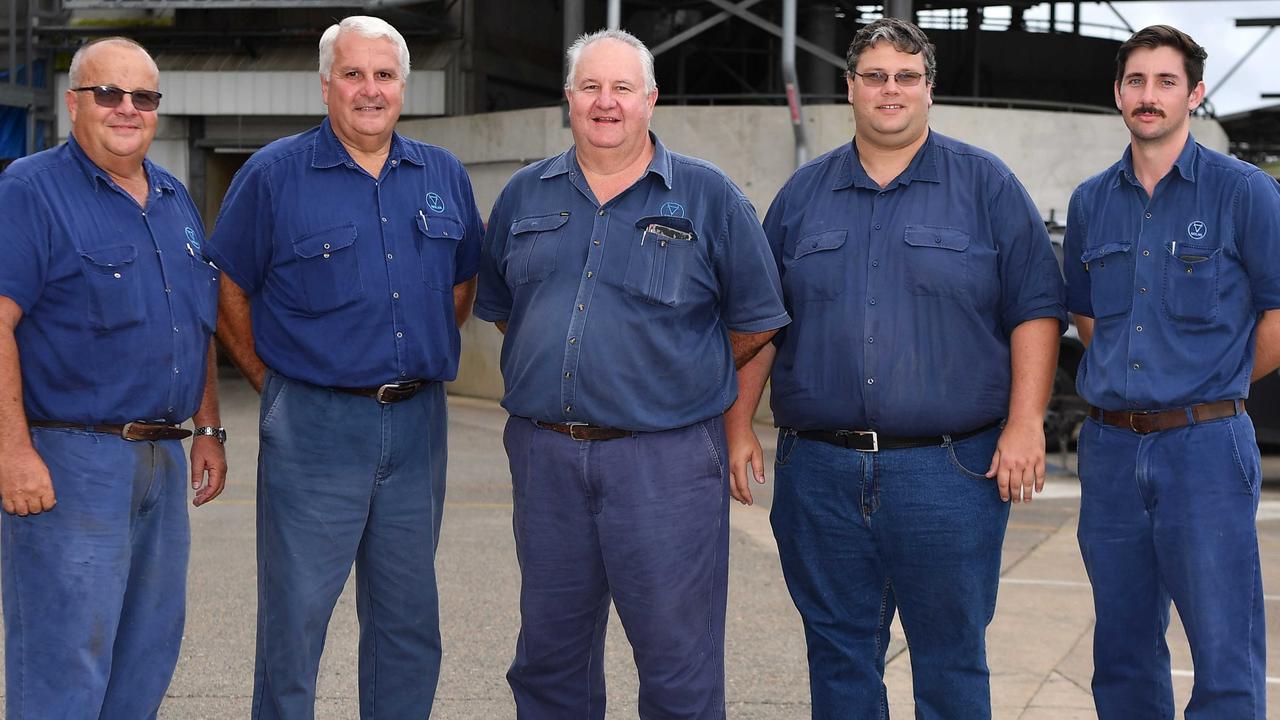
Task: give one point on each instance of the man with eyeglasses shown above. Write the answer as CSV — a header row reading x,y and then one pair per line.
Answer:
x,y
909,389
107,298
350,253
1173,276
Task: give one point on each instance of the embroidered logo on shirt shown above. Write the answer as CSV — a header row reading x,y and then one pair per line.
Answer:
x,y
435,202
672,209
192,240
1197,230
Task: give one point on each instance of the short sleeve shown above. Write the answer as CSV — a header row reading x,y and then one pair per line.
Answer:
x,y
24,242
467,262
241,243
751,294
1030,281
1258,238
493,296
1078,291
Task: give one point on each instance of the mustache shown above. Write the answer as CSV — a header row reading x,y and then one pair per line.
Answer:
x,y
1144,109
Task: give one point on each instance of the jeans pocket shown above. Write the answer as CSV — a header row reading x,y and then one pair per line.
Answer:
x,y
713,454
273,385
970,453
1247,461
786,444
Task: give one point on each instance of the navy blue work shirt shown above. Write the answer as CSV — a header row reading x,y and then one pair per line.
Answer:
x,y
350,277
903,298
618,313
117,302
1174,282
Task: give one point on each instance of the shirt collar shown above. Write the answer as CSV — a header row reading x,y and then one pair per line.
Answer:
x,y
329,151
923,168
567,162
1185,164
156,179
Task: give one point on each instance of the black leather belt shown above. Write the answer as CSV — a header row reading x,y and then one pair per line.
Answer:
x,y
386,394
582,431
1149,422
872,441
135,431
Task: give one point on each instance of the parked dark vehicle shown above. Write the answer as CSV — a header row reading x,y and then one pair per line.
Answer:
x,y
1067,410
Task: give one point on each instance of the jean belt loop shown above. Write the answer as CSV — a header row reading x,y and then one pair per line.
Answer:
x,y
1191,415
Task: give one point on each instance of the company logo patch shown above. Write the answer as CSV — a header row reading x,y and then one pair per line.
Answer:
x,y
435,202
673,209
192,239
1197,230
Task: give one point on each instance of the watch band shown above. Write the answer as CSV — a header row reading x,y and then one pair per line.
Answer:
x,y
219,434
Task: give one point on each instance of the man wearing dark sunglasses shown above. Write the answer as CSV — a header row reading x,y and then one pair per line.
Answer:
x,y
356,248
105,293
910,388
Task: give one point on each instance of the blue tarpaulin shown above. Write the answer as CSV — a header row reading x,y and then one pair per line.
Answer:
x,y
13,120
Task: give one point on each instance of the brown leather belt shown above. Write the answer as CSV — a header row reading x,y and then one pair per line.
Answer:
x,y
133,431
581,431
1149,422
387,394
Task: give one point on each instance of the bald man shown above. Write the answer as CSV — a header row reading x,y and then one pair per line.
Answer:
x,y
106,296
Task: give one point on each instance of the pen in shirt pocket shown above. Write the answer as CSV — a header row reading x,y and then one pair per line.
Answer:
x,y
1185,257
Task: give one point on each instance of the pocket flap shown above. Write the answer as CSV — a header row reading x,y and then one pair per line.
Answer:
x,y
937,237
109,257
684,225
541,223
440,226
829,240
1191,254
1091,254
325,241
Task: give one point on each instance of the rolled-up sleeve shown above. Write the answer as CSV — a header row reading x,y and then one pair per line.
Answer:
x,y
493,297
1258,238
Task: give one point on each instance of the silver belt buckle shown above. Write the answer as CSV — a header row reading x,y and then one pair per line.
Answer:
x,y
875,439
572,434
378,396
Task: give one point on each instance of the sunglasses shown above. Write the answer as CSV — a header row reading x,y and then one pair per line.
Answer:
x,y
876,78
110,96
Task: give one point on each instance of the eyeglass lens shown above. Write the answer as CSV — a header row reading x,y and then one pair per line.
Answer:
x,y
109,96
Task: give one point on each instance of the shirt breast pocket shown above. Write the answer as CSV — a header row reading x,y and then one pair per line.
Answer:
x,y
204,278
937,261
814,269
328,269
1110,268
115,287
1191,282
663,253
438,237
532,248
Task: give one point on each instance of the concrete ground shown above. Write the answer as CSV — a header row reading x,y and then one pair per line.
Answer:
x,y
1038,644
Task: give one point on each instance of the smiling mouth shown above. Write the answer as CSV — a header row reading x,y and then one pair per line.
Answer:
x,y
1148,112
606,119
890,107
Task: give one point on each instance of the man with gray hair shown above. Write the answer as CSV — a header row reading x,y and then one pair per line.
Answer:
x,y
350,252
106,294
909,391
630,282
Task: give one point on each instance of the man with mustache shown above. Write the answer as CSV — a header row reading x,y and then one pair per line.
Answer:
x,y
106,294
350,252
1173,275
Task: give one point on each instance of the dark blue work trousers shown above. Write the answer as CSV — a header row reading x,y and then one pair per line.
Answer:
x,y
643,521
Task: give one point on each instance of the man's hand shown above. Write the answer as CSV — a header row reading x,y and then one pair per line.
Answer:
x,y
744,447
208,469
25,485
1018,463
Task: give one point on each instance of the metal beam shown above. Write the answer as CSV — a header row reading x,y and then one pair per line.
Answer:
x,y
1257,22
698,29
17,95
767,26
792,84
215,4
614,15
900,9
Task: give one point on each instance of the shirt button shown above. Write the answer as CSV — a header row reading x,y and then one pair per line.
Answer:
x,y
168,290
175,328
1142,291
573,341
581,307
1137,366
568,374
326,246
384,219
871,341
601,213
881,194
390,256
351,165
937,241
1146,253
1148,216
325,256
871,381
144,213
872,301
394,163
170,409
589,273
399,334
875,263
595,241
568,408
395,296
116,275
877,226
1139,328
176,371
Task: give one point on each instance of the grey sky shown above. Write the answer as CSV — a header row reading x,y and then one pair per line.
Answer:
x,y
1212,24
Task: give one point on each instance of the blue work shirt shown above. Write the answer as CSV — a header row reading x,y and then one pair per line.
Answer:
x,y
1175,282
117,303
903,298
350,277
618,313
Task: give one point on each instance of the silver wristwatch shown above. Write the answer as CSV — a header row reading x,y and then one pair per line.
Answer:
x,y
214,432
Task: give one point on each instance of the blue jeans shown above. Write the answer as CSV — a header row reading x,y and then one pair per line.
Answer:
x,y
95,589
343,480
1171,515
643,520
862,535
